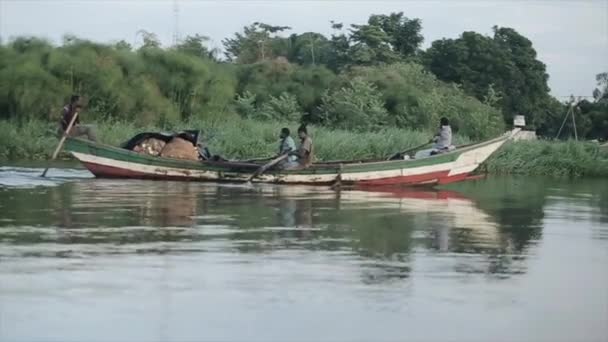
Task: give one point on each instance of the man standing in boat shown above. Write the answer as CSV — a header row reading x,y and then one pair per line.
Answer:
x,y
68,112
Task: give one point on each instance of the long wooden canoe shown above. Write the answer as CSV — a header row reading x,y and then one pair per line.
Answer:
x,y
106,161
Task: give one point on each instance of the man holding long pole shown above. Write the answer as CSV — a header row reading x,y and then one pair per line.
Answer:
x,y
69,126
69,111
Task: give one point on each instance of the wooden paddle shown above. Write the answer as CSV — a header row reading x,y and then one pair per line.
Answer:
x,y
65,135
266,166
399,154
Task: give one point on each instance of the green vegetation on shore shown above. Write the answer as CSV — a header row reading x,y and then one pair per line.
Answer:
x,y
549,158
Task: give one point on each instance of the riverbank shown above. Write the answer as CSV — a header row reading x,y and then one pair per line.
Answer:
x,y
243,138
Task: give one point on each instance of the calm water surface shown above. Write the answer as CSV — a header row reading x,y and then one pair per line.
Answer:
x,y
500,259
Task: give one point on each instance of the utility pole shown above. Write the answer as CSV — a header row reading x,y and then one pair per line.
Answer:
x,y
175,22
262,48
312,48
571,107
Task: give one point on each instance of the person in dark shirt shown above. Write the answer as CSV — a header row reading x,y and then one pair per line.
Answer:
x,y
77,130
305,152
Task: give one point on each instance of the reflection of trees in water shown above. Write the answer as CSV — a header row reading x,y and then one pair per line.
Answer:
x,y
498,226
386,238
103,212
517,207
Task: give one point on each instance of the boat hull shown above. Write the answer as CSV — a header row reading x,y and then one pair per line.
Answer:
x,y
111,162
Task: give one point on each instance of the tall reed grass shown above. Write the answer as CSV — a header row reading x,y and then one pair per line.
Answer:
x,y
549,158
235,138
238,138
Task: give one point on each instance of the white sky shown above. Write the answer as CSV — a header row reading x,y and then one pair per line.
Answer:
x,y
571,37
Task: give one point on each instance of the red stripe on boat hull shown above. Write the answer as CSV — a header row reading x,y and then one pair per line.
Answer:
x,y
440,177
453,179
105,171
426,178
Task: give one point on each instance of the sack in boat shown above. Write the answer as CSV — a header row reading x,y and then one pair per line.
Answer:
x,y
151,146
179,148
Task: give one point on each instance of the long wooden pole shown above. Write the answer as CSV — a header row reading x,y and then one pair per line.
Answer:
x,y
265,167
65,135
399,154
574,125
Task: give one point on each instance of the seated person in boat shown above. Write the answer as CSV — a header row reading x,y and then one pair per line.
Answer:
x,y
305,151
68,112
443,139
287,145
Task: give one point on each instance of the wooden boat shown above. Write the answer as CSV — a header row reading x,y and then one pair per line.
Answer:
x,y
106,161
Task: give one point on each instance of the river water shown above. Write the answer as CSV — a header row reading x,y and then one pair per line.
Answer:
x,y
498,259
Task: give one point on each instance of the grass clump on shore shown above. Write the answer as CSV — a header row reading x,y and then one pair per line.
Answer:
x,y
549,158
29,140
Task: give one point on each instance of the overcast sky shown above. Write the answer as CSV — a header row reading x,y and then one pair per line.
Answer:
x,y
571,37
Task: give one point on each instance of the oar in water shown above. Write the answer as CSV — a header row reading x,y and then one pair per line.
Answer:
x,y
266,166
65,135
399,154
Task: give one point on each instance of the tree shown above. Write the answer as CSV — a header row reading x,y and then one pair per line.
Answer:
x,y
596,113
123,45
505,62
253,45
150,40
385,39
339,46
600,93
404,32
195,46
309,48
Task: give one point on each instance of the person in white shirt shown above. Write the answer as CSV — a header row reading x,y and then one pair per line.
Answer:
x,y
443,139
287,145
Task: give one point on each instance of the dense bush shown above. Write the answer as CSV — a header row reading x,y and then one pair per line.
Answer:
x,y
416,99
155,86
364,98
273,78
150,85
357,106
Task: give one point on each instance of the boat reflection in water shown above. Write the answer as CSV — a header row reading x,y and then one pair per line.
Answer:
x,y
382,229
390,226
